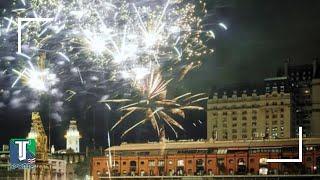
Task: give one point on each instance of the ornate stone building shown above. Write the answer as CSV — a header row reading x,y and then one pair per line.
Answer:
x,y
43,169
73,137
250,116
58,169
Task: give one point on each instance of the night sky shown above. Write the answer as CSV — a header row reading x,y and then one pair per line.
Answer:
x,y
261,35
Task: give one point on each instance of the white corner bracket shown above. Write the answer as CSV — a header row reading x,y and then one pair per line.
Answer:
x,y
290,160
20,20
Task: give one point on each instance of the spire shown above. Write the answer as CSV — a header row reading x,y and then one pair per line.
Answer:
x,y
73,137
52,149
37,132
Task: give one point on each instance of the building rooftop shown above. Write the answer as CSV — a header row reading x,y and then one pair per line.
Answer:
x,y
238,144
276,78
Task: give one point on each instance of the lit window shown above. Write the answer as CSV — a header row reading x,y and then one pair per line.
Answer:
x,y
152,163
180,162
161,163
244,136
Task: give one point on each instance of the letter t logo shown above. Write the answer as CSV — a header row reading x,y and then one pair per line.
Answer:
x,y
22,149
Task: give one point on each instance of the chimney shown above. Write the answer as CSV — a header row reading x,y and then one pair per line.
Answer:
x,y
224,95
286,64
234,95
215,96
254,93
244,94
314,65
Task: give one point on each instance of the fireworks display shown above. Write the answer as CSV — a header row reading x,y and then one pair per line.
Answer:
x,y
37,77
156,106
111,45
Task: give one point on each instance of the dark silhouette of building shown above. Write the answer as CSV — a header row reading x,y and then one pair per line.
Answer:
x,y
297,80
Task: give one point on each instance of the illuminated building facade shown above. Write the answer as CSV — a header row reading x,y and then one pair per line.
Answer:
x,y
207,158
73,137
58,169
301,82
71,155
43,169
72,161
249,116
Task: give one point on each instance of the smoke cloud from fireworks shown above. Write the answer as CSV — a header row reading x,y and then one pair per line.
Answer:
x,y
117,45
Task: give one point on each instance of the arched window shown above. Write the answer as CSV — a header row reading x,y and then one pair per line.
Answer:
x,y
199,162
133,163
116,163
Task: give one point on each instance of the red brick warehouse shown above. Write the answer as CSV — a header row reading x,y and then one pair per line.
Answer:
x,y
208,158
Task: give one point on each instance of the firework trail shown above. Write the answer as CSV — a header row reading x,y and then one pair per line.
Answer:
x,y
156,107
109,46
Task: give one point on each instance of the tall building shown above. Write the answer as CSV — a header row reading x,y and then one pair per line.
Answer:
x,y
315,117
73,137
43,169
297,80
250,116
64,162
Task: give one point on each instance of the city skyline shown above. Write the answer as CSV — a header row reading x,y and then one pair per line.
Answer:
x,y
157,89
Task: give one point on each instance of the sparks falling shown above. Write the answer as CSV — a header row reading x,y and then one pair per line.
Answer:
x,y
157,108
119,36
123,41
36,77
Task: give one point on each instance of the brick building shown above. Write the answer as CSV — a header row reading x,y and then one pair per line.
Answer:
x,y
207,157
